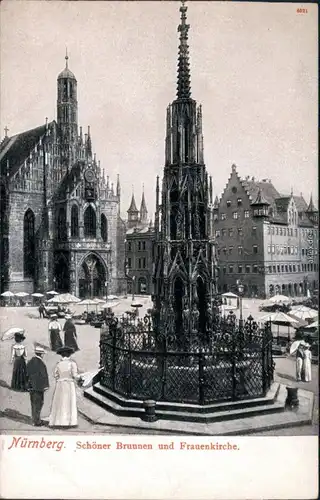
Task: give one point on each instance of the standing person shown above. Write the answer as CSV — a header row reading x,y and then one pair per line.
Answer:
x,y
19,381
307,364
54,333
64,403
299,361
41,310
70,333
38,383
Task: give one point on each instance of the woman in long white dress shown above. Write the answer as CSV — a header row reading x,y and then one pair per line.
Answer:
x,y
64,402
307,365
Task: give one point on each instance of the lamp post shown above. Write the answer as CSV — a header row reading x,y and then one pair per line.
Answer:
x,y
240,291
133,282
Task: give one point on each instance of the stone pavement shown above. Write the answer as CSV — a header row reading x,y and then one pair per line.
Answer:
x,y
15,407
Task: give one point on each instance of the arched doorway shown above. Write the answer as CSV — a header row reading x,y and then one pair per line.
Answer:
x,y
178,293
290,289
29,245
62,272
92,277
271,290
201,293
283,289
295,289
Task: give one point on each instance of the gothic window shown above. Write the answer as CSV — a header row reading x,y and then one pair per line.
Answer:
x,y
74,221
29,244
104,228
62,224
65,90
90,223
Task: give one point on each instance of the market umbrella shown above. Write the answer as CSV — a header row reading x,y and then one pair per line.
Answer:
x,y
88,302
304,315
7,294
37,294
22,294
315,324
52,292
279,299
9,334
111,297
64,298
99,301
279,318
110,304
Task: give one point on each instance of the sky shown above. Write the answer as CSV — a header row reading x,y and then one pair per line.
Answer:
x,y
253,69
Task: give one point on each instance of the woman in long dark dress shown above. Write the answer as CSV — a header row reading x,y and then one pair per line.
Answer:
x,y
19,381
70,334
54,333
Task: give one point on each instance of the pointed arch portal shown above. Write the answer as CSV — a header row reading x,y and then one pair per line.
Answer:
x,y
92,277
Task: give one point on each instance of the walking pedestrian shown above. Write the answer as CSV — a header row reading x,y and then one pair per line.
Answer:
x,y
70,333
299,361
38,384
54,333
307,363
19,381
64,404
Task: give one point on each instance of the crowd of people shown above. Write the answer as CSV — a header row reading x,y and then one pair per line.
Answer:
x,y
32,376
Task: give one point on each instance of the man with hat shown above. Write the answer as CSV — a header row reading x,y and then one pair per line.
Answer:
x,y
38,383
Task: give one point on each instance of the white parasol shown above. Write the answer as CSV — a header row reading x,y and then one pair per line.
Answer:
x,y
112,297
304,314
22,294
9,334
87,378
295,345
7,294
315,324
87,302
278,317
98,301
279,299
52,292
109,305
64,298
37,294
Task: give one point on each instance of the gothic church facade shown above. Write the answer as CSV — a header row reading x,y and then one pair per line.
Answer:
x,y
60,217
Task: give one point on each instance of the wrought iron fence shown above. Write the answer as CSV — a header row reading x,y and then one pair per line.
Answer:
x,y
233,362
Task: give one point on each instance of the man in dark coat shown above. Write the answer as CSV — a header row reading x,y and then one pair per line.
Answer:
x,y
38,383
70,333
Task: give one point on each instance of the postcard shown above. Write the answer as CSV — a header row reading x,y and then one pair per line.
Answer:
x,y
159,250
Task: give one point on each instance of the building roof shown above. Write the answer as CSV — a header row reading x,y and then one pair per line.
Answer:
x,y
140,230
15,150
260,199
66,73
267,188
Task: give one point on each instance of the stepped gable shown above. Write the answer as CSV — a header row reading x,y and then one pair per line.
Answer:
x,y
17,149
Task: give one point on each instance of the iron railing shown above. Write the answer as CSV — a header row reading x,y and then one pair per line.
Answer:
x,y
233,362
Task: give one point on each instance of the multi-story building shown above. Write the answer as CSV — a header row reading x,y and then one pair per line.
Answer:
x,y
60,218
139,247
267,240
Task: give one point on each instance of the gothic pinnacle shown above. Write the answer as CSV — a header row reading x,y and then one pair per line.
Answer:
x,y
183,87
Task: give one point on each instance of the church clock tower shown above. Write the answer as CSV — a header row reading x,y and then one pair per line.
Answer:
x,y
67,115
185,261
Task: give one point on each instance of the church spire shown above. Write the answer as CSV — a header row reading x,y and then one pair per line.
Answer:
x,y
311,208
143,209
183,87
